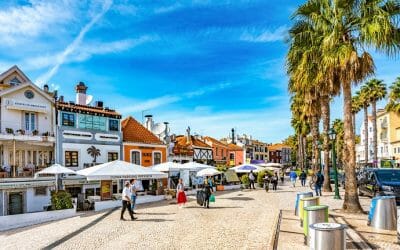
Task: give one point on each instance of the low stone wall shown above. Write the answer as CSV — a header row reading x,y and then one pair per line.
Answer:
x,y
22,220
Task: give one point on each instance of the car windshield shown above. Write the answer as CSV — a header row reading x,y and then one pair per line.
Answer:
x,y
388,175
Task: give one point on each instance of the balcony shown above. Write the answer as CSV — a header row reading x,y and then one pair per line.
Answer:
x,y
22,135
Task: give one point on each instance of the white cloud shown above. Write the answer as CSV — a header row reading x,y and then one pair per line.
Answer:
x,y
74,45
263,36
20,23
168,8
169,99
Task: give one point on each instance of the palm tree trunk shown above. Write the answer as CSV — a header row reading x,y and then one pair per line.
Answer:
x,y
325,112
351,202
300,151
366,133
315,138
374,135
304,144
353,118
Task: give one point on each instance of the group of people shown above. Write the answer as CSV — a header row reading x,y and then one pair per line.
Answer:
x,y
207,190
129,194
274,179
318,180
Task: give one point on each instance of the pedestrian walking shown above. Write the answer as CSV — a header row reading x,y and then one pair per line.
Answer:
x,y
210,183
133,195
293,177
180,194
126,200
207,194
318,183
252,178
303,178
275,182
282,176
266,182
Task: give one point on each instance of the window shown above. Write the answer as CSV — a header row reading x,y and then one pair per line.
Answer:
x,y
394,150
15,81
92,122
68,119
30,121
156,158
71,158
135,157
113,125
112,156
40,191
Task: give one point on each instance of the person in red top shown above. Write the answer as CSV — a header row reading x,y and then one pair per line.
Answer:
x,y
180,194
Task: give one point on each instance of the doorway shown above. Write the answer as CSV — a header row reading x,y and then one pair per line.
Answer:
x,y
15,204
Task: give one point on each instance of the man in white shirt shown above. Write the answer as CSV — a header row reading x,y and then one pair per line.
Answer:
x,y
126,201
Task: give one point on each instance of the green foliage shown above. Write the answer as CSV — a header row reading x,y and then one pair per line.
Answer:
x,y
221,168
245,179
61,200
260,178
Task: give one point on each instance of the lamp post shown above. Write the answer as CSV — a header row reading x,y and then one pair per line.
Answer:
x,y
319,155
332,136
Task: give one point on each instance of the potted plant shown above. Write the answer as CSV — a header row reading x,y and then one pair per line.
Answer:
x,y
245,181
35,132
46,134
21,131
9,131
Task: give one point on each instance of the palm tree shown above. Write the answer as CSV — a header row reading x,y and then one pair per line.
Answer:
x,y
394,97
376,91
343,30
337,126
355,108
93,152
364,101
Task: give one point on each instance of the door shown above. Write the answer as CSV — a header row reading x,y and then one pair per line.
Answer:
x,y
15,204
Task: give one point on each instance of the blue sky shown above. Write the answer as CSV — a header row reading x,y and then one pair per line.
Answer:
x,y
210,65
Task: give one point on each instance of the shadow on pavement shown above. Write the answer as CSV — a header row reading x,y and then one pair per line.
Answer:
x,y
80,230
154,220
238,198
211,207
157,213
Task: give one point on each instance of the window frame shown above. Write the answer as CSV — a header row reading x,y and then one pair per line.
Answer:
x,y
140,156
116,123
68,119
154,154
71,157
112,156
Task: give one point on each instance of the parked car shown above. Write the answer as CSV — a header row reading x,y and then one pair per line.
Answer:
x,y
379,181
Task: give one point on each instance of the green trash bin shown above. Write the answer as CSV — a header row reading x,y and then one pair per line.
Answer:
x,y
306,202
313,215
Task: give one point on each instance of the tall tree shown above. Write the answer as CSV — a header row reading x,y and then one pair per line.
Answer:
x,y
355,108
344,29
376,91
394,97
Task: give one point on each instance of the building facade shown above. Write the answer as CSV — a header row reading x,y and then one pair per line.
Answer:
x,y
360,147
260,151
388,129
220,151
27,143
86,136
236,155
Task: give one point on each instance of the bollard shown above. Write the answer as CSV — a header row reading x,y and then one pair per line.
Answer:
x,y
298,197
312,215
306,202
330,236
383,213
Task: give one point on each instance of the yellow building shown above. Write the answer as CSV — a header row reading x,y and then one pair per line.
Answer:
x,y
388,129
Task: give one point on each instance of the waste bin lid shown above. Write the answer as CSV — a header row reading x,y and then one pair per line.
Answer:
x,y
328,226
314,208
301,193
309,198
384,197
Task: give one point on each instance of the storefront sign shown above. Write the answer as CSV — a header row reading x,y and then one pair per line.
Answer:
x,y
105,190
12,185
19,105
78,182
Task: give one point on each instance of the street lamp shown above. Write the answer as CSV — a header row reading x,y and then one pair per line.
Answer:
x,y
332,136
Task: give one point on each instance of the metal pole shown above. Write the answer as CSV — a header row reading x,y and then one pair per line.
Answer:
x,y
14,172
337,195
320,159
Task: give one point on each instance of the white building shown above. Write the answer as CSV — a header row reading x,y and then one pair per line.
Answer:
x,y
27,141
87,135
360,148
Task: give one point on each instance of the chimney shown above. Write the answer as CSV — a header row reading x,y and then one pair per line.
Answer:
x,y
81,93
166,128
61,99
46,88
149,122
233,136
98,104
188,139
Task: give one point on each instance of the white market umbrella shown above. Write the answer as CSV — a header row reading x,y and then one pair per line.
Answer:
x,y
120,170
196,166
169,166
271,164
207,172
247,168
55,169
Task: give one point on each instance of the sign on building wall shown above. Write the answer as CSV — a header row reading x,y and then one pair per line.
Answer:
x,y
105,187
29,106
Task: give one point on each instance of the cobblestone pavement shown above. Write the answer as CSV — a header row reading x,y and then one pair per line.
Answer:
x,y
238,220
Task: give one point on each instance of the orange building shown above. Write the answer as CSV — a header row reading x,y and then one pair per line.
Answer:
x,y
220,150
236,155
140,146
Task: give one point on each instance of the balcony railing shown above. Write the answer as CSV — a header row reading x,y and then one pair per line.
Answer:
x,y
22,135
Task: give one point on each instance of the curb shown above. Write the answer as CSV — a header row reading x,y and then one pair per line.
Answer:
x,y
273,242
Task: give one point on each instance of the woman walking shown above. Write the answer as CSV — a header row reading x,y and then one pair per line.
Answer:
x,y
180,194
207,194
275,182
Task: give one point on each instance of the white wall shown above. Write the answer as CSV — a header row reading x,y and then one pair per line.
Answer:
x,y
35,203
84,157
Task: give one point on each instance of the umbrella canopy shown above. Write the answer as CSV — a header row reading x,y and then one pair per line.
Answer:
x,y
271,164
55,169
169,166
196,166
120,170
207,172
246,168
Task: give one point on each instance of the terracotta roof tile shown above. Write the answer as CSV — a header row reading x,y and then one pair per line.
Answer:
x,y
215,141
234,147
181,141
277,146
133,131
86,108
